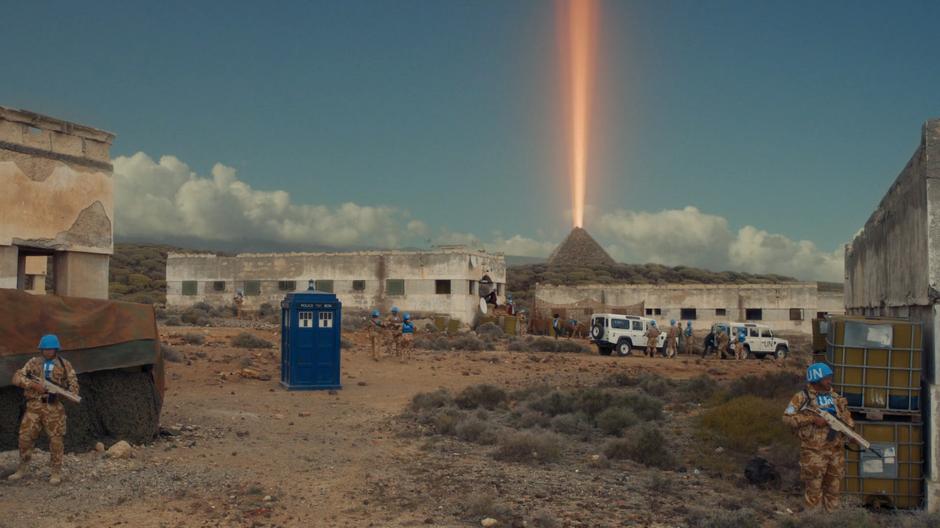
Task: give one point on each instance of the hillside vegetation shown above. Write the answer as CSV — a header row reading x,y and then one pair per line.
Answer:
x,y
138,272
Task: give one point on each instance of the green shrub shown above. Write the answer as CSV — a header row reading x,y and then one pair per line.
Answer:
x,y
773,385
196,317
247,340
193,339
426,401
698,389
173,320
529,419
479,506
476,430
720,518
486,396
266,309
543,344
615,419
445,421
171,354
489,329
747,422
593,401
554,403
644,444
517,345
854,518
529,447
644,407
655,385
468,343
575,424
574,347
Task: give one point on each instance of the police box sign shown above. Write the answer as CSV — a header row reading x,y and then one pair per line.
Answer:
x,y
310,306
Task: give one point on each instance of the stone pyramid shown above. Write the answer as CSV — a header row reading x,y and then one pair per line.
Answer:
x,y
579,249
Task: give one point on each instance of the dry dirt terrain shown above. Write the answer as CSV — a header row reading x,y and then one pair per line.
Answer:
x,y
242,451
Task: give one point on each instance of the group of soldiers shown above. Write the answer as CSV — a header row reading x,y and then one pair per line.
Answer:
x,y
396,334
676,338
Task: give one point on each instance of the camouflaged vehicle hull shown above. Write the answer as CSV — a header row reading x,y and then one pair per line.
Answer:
x,y
115,349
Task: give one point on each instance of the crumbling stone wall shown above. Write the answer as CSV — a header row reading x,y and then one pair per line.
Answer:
x,y
57,198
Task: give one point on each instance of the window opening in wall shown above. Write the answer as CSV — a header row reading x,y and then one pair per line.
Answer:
x,y
253,287
649,311
394,286
821,315
325,286
657,311
442,287
753,314
721,312
796,314
359,285
286,285
305,319
326,319
218,286
189,287
687,313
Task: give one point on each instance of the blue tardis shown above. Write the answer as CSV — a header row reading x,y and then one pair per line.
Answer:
x,y
310,340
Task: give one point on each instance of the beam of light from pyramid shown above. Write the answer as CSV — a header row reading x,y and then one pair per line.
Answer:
x,y
582,21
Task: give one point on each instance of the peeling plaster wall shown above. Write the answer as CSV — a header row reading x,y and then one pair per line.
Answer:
x,y
774,300
892,269
58,195
418,269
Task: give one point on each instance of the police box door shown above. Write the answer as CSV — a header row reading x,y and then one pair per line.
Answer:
x,y
326,355
303,350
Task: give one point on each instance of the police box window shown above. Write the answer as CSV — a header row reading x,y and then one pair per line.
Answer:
x,y
359,285
394,286
218,286
305,319
286,285
442,287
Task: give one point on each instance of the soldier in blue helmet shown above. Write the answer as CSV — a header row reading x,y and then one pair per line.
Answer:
x,y
407,337
822,451
393,331
44,411
375,333
687,338
739,352
652,339
672,339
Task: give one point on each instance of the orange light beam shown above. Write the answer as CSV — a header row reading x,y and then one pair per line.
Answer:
x,y
582,29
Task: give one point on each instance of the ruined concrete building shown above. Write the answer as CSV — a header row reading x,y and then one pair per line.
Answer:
x,y
443,281
56,204
892,268
787,306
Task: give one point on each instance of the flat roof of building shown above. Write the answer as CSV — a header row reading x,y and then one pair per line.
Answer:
x,y
444,250
45,122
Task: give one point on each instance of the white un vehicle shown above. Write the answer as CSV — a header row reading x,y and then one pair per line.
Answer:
x,y
621,333
760,341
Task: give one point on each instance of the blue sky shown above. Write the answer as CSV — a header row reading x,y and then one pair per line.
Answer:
x,y
791,117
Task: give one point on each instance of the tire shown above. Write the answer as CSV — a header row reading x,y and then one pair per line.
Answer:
x,y
624,347
782,352
604,351
596,332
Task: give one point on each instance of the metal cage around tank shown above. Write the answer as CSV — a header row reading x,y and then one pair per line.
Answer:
x,y
311,330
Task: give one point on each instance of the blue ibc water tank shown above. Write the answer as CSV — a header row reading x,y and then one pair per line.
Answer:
x,y
310,341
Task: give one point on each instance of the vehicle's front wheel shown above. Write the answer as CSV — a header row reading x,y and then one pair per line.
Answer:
x,y
781,352
603,350
624,347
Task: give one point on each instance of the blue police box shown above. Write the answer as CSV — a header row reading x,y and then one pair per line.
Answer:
x,y
310,340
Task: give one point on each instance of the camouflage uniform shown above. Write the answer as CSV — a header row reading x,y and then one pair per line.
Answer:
x,y
393,333
822,451
523,324
722,341
739,349
375,330
652,335
671,336
687,340
44,411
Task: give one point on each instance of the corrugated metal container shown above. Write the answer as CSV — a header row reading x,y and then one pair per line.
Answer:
x,y
877,362
894,480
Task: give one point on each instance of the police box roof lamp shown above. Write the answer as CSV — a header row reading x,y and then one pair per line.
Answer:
x,y
311,285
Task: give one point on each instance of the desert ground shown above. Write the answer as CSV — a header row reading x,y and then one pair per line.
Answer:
x,y
236,449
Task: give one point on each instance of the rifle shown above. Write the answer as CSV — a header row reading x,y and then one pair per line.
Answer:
x,y
55,389
839,426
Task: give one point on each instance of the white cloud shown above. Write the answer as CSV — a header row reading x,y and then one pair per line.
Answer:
x,y
693,238
166,199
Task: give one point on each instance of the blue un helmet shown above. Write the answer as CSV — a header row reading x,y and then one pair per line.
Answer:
x,y
818,372
672,322
394,309
406,317
653,323
49,342
375,313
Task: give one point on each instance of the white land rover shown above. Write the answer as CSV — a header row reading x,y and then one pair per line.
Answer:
x,y
759,342
621,333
